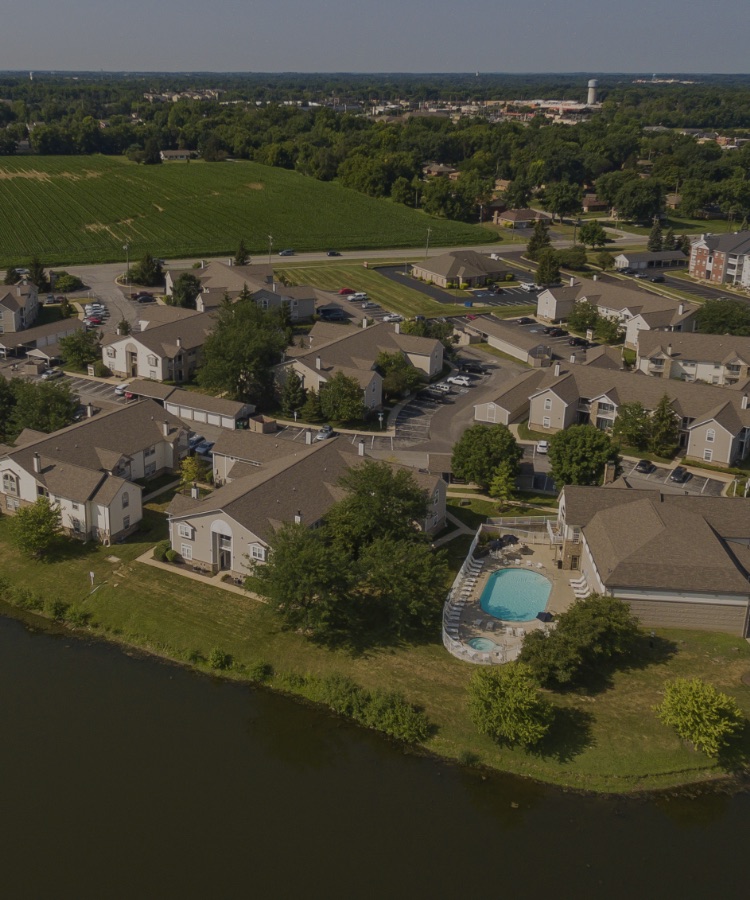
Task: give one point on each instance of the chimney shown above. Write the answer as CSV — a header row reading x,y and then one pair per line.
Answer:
x,y
398,328
298,517
165,428
178,341
273,286
680,309
317,362
308,436
595,277
195,492
361,448
230,261
89,410
557,369
38,461
572,280
364,321
669,349
573,358
743,404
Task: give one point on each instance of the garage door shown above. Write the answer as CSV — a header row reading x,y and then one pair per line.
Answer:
x,y
214,419
227,422
199,415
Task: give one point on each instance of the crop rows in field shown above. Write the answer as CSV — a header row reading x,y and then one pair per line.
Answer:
x,y
69,210
389,294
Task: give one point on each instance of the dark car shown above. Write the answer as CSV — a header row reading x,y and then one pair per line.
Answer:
x,y
644,466
524,320
333,253
657,279
497,289
145,298
472,368
578,342
194,440
679,475
627,271
331,315
556,332
287,252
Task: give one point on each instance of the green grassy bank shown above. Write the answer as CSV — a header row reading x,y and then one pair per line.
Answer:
x,y
606,737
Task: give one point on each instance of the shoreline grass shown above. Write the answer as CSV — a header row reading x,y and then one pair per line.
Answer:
x,y
607,738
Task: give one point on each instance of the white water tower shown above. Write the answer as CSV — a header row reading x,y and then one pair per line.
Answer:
x,y
593,85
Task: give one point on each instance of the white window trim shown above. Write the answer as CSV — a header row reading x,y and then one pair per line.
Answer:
x,y
710,436
708,454
185,531
546,422
186,551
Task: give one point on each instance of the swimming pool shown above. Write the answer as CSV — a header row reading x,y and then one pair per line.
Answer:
x,y
515,595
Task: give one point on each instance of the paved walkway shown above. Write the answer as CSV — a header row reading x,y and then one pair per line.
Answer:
x,y
147,559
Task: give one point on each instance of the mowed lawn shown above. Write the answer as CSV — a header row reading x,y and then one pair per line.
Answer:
x,y
399,298
83,209
607,737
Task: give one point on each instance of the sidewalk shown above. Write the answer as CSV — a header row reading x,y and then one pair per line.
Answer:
x,y
147,559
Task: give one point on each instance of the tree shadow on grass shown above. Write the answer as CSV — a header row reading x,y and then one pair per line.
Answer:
x,y
64,549
647,651
569,735
735,757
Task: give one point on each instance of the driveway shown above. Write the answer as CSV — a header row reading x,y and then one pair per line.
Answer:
x,y
659,480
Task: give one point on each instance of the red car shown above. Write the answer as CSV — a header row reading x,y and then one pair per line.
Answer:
x,y
93,320
471,318
347,291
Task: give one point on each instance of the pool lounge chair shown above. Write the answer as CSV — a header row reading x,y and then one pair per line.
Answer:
x,y
582,593
578,582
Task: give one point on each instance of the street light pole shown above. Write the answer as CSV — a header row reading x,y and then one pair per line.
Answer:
x,y
427,247
126,248
270,245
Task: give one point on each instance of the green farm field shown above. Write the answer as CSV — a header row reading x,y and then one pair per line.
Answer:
x,y
73,210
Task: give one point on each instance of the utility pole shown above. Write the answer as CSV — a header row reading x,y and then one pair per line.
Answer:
x,y
126,248
427,247
270,245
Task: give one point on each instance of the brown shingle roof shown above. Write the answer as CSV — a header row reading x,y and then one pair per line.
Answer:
x,y
695,346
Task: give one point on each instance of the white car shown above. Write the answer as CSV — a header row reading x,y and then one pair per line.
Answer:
x,y
542,447
393,317
49,374
460,380
442,386
121,390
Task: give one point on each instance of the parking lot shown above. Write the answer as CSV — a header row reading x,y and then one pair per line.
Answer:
x,y
511,296
659,479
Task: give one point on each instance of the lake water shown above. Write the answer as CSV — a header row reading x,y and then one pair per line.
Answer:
x,y
126,777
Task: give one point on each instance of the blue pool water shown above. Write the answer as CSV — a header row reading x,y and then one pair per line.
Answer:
x,y
515,595
482,644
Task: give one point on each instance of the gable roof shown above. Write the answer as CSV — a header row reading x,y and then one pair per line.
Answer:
x,y
462,263
162,339
512,334
695,346
732,242
253,447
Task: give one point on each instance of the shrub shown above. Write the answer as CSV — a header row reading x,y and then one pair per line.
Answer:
x,y
58,610
5,588
160,550
172,556
65,283
343,695
391,713
220,659
78,618
700,714
26,599
260,671
101,371
196,657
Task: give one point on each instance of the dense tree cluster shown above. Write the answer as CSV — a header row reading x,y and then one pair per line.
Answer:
x,y
367,574
43,406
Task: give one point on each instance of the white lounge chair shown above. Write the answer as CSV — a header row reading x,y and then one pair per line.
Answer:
x,y
583,594
578,581
540,565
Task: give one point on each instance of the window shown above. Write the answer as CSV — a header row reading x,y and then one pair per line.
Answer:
x,y
75,507
576,535
152,373
126,522
125,500
150,451
10,483
151,359
546,422
111,352
548,403
257,552
710,436
186,551
41,492
12,503
185,531
149,470
708,455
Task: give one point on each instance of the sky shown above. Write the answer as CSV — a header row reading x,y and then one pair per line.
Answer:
x,y
647,36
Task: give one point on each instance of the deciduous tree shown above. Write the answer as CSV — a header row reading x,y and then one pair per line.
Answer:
x,y
185,291
700,714
579,454
81,348
44,406
592,234
481,450
506,704
292,394
341,399
34,528
665,428
633,425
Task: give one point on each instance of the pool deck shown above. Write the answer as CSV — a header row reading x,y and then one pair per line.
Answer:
x,y
474,622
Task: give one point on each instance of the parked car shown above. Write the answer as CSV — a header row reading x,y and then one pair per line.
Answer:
x,y
556,332
640,275
471,317
145,298
657,279
287,252
204,447
194,440
325,432
627,271
393,317
529,287
679,475
460,380
358,295
121,390
472,368
497,289
578,342
92,320
525,320
59,298
644,466
368,304
542,447
333,253
50,299
347,291
331,315
49,374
